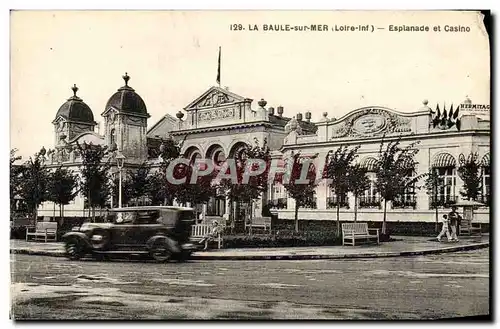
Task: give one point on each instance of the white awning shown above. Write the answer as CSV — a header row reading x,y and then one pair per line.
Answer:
x,y
444,160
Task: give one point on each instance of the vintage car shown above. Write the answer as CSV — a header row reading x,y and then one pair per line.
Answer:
x,y
158,231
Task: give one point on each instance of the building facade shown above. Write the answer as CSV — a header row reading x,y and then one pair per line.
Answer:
x,y
219,123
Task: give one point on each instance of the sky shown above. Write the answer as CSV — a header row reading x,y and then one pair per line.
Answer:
x,y
171,57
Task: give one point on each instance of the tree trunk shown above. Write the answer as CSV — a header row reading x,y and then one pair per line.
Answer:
x,y
296,216
384,226
355,208
62,215
436,229
338,216
250,217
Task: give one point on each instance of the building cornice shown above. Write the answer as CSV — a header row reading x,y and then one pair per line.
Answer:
x,y
351,141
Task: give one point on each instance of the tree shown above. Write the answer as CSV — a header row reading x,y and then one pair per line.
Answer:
x,y
198,192
138,181
469,170
303,194
337,169
358,184
62,188
95,179
168,151
155,188
126,189
242,191
16,171
395,171
432,183
33,187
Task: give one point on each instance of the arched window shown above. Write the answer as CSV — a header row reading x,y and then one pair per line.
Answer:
x,y
444,165
371,198
113,136
485,170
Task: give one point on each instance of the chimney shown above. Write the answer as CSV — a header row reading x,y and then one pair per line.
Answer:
x,y
308,116
299,116
270,111
280,111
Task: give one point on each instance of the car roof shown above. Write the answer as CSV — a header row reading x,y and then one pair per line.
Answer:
x,y
151,208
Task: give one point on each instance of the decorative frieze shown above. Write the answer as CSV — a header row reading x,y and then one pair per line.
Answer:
x,y
216,114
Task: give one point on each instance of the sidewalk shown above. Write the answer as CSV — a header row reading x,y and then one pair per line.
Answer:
x,y
406,246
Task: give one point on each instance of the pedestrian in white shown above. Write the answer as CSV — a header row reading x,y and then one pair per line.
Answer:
x,y
454,218
444,230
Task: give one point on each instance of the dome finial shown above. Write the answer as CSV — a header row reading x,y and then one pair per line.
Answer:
x,y
126,78
75,89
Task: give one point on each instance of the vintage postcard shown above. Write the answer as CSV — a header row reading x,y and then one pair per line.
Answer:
x,y
264,165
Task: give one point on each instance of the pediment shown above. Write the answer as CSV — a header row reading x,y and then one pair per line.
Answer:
x,y
215,97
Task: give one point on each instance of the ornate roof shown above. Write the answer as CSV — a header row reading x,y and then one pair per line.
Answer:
x,y
127,100
74,109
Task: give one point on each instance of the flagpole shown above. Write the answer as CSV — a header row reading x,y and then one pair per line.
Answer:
x,y
218,68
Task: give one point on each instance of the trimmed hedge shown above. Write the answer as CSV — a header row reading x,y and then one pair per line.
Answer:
x,y
283,238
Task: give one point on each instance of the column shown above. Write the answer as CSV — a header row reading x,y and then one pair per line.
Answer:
x,y
422,198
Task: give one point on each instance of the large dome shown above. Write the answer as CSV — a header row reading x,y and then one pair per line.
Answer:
x,y
75,109
127,100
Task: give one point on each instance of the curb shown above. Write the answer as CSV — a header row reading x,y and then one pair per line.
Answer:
x,y
295,257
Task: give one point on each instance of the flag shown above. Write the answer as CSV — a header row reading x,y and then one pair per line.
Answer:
x,y
218,70
451,111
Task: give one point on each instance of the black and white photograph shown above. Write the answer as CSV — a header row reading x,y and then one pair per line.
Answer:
x,y
250,165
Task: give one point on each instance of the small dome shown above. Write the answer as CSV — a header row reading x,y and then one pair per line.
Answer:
x,y
127,100
75,109
467,100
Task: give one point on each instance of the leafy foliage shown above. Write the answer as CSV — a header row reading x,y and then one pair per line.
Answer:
x,y
358,183
303,194
195,193
33,181
469,170
16,171
169,150
95,181
137,181
338,165
62,187
238,191
395,171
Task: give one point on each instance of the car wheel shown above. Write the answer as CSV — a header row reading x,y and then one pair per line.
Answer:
x,y
74,249
160,251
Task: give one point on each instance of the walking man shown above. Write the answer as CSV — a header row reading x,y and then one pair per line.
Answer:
x,y
454,218
444,230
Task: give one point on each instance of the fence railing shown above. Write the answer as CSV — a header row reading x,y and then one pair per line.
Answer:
x,y
332,202
407,201
280,203
442,201
369,202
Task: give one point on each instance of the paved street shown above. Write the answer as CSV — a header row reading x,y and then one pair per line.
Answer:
x,y
433,286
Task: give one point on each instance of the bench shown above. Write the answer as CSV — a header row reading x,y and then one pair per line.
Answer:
x,y
46,231
468,228
358,231
200,231
260,222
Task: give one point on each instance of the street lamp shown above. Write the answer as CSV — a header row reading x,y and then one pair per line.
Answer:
x,y
120,159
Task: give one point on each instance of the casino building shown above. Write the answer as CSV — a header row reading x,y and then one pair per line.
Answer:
x,y
219,123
